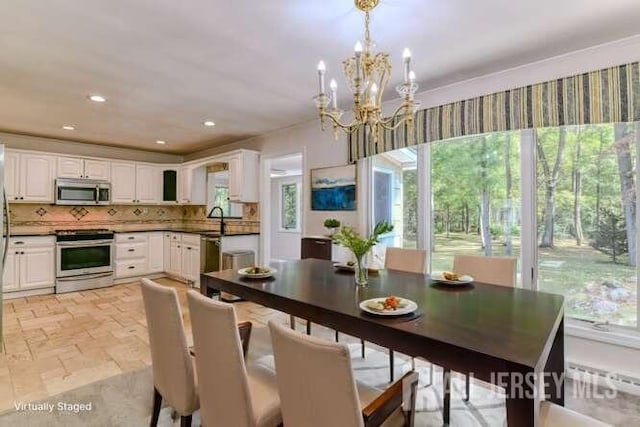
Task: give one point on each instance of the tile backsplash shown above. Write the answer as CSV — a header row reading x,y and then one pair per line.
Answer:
x,y
38,218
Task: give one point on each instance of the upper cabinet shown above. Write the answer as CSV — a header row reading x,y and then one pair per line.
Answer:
x,y
193,185
29,177
243,176
74,167
135,183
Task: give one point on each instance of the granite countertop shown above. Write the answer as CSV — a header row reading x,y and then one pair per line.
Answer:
x,y
211,233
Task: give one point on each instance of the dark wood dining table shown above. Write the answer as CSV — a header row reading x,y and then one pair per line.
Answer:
x,y
496,334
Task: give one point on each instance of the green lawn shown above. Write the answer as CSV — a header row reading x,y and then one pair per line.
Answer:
x,y
595,287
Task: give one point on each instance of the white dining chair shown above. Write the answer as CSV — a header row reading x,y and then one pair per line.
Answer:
x,y
231,393
171,363
552,415
318,388
410,261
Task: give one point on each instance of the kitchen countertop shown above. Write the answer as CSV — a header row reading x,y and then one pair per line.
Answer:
x,y
211,233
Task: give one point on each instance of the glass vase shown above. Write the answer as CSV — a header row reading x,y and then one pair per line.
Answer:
x,y
361,272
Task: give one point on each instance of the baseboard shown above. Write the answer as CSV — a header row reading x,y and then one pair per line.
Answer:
x,y
595,376
28,293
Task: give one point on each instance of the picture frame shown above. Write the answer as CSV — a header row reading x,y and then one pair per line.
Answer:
x,y
334,188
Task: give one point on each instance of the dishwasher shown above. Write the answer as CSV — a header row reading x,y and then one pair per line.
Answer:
x,y
210,255
235,260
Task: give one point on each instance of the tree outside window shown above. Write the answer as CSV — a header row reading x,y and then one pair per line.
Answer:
x,y
290,207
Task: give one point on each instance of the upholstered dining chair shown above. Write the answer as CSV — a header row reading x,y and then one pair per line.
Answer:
x,y
552,415
172,365
231,393
318,388
486,269
410,261
492,270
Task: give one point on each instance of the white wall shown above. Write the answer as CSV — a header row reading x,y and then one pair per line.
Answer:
x,y
284,244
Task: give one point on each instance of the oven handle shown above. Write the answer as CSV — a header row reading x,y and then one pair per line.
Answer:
x,y
85,243
84,276
6,239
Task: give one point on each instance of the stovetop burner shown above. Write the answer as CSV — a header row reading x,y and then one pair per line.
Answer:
x,y
72,235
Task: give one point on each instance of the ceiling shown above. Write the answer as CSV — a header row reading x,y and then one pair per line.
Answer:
x,y
166,66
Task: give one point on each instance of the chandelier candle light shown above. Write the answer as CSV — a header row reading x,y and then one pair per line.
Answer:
x,y
367,74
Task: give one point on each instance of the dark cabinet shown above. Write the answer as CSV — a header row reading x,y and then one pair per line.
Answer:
x,y
316,247
169,185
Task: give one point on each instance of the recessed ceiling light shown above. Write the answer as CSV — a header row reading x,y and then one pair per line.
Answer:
x,y
161,142
68,127
97,98
209,123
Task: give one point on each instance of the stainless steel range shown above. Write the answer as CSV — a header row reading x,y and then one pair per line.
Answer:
x,y
85,259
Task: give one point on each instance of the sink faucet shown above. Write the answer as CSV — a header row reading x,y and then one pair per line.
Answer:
x,y
222,224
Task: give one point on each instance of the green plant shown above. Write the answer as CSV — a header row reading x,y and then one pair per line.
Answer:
x,y
331,223
359,245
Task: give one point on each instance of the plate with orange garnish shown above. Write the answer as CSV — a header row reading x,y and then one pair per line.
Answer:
x,y
388,306
451,278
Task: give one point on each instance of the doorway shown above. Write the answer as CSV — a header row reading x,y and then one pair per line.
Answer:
x,y
283,197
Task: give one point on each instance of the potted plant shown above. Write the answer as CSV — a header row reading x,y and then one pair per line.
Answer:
x,y
360,246
332,224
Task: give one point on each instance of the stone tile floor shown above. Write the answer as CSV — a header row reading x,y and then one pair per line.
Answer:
x,y
56,343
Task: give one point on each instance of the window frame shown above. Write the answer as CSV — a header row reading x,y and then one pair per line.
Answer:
x,y
628,336
298,200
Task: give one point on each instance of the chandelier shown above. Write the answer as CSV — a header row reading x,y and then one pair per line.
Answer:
x,y
367,74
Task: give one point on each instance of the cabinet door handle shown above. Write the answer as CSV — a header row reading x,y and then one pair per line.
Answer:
x,y
131,267
21,253
17,253
132,250
131,237
18,243
178,246
320,242
188,247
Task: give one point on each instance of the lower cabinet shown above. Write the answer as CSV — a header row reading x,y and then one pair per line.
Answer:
x,y
138,254
184,262
30,264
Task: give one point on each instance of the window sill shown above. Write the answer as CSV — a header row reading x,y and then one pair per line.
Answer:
x,y
289,230
617,335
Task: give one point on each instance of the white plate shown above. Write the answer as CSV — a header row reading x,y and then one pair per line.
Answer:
x,y
409,307
344,266
465,279
244,273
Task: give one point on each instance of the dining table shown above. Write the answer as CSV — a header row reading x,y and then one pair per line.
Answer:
x,y
510,337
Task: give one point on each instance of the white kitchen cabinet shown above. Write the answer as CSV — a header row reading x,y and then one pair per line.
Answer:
x,y
30,264
70,167
135,183
37,267
29,176
166,250
123,178
244,167
193,185
191,262
148,184
11,177
175,265
37,173
155,252
10,279
97,169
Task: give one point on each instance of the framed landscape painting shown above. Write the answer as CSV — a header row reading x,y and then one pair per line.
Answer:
x,y
333,189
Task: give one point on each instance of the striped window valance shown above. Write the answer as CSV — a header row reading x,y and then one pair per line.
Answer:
x,y
605,96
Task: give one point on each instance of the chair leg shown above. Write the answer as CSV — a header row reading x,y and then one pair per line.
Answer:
x,y
157,402
292,322
308,327
391,366
446,404
337,337
185,421
362,345
467,388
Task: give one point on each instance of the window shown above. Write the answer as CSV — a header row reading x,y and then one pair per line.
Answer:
x,y
290,207
587,235
475,186
221,198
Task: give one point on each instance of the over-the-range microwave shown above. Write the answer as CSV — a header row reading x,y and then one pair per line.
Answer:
x,y
82,192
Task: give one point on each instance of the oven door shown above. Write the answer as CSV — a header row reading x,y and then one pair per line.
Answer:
x,y
84,257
